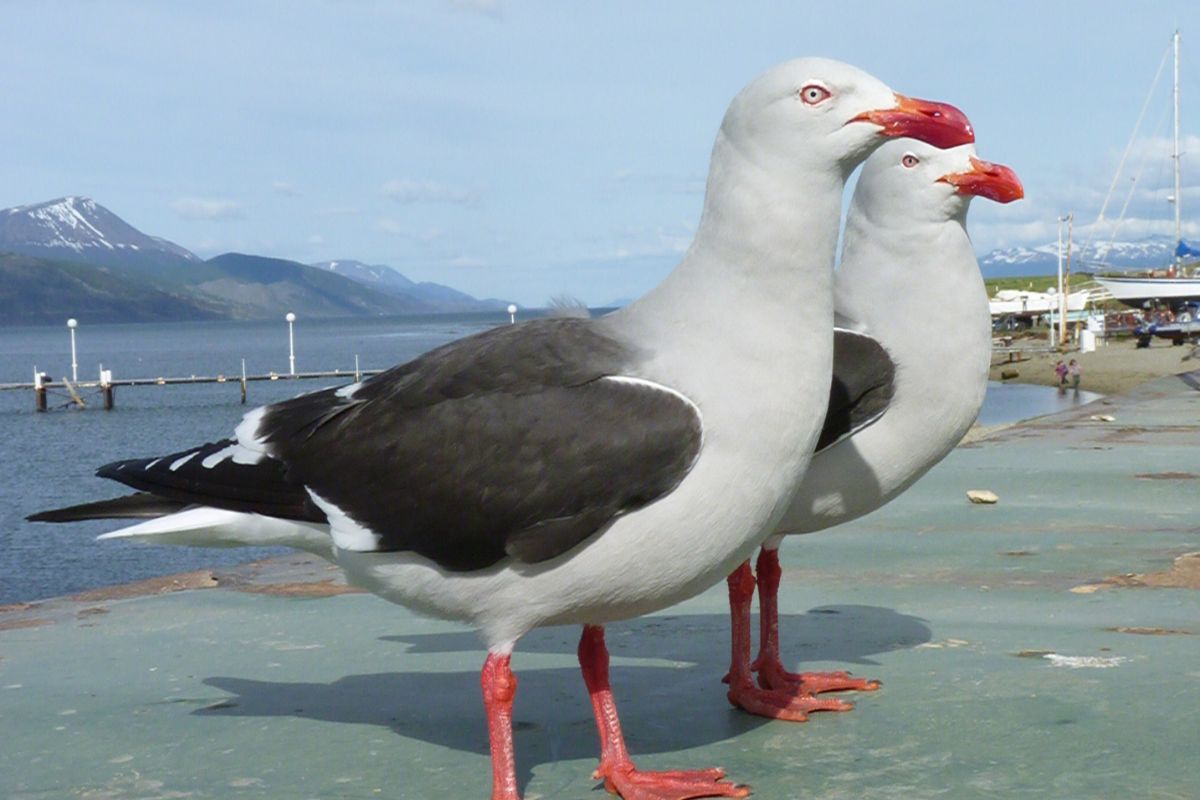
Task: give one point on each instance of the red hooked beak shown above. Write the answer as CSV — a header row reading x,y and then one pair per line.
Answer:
x,y
939,124
993,181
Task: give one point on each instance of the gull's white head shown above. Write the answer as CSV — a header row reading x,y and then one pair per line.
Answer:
x,y
907,182
815,113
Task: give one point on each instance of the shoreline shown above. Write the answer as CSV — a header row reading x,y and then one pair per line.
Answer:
x,y
1112,369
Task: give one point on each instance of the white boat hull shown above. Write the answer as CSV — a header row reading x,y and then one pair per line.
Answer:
x,y
1135,291
1011,301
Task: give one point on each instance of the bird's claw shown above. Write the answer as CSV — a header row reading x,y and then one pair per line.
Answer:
x,y
626,781
773,676
786,705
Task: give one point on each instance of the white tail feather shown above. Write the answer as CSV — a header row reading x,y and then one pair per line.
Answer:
x,y
203,526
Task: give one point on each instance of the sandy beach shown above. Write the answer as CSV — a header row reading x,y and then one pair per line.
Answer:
x,y
1110,369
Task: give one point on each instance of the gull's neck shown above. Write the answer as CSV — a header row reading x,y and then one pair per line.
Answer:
x,y
762,255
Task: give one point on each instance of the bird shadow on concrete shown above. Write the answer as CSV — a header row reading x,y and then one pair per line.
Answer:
x,y
672,701
846,633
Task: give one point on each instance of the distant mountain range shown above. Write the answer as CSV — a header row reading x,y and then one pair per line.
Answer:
x,y
72,257
1153,251
389,281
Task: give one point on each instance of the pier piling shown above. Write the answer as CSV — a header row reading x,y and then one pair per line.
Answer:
x,y
106,387
39,389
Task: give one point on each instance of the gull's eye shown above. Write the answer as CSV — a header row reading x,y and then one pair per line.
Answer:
x,y
814,94
910,160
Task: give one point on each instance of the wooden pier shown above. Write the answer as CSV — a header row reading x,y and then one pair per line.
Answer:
x,y
74,392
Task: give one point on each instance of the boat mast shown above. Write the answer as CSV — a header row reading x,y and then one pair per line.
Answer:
x,y
1175,158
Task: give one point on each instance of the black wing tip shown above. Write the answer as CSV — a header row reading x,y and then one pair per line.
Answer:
x,y
68,514
110,470
140,505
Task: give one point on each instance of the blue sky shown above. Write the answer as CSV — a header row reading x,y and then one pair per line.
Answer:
x,y
523,150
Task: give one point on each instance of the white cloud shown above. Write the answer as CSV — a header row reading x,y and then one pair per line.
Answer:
x,y
390,226
410,191
207,208
1137,208
466,262
397,228
283,187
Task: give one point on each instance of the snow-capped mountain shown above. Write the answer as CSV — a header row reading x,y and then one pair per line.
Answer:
x,y
72,257
1153,251
381,276
80,229
389,280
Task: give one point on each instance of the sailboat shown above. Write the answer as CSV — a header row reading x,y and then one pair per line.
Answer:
x,y
1179,282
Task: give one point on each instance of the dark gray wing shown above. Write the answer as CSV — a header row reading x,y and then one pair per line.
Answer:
x,y
511,442
863,383
508,443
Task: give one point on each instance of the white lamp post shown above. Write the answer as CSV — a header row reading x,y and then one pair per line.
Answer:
x,y
71,323
1056,337
291,344
512,313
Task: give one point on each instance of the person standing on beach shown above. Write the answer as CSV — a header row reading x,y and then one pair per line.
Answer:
x,y
1060,369
1074,370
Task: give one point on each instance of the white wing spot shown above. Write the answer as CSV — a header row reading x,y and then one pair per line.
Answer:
x,y
239,454
348,390
179,462
221,455
347,534
252,449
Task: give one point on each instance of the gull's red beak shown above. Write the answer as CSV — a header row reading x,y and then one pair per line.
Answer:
x,y
993,181
939,124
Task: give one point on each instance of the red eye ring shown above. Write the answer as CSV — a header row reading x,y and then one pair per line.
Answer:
x,y
909,160
814,94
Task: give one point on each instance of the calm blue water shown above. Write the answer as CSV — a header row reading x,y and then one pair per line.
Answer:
x,y
1010,402
48,460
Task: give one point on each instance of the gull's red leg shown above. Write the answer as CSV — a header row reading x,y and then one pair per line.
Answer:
x,y
616,768
499,689
741,593
781,705
769,665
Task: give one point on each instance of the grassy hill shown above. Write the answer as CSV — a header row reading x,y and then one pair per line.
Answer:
x,y
37,291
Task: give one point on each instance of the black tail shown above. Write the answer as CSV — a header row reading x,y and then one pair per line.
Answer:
x,y
189,477
141,505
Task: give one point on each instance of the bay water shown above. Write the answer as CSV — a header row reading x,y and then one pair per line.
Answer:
x,y
49,460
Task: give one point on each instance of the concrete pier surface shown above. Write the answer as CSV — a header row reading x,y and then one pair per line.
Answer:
x,y
1045,646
